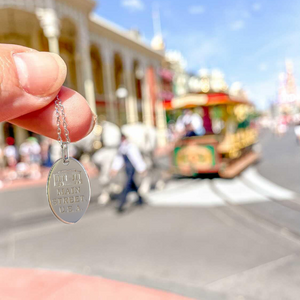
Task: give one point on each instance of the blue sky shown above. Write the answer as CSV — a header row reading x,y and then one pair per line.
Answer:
x,y
247,40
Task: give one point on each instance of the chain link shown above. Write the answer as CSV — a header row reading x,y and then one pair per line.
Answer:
x,y
60,114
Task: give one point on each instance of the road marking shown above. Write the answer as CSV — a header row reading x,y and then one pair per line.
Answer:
x,y
266,187
256,271
250,187
197,194
191,192
174,185
237,192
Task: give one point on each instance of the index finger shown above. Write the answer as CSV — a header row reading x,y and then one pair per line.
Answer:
x,y
79,117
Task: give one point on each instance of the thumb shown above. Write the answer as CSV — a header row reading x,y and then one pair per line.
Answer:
x,y
29,80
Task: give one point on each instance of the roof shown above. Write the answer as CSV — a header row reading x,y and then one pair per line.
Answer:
x,y
122,36
194,100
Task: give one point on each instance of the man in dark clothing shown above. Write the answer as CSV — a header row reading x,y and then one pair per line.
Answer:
x,y
189,130
130,156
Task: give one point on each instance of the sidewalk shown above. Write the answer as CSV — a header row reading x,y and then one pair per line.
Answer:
x,y
27,182
48,285
161,154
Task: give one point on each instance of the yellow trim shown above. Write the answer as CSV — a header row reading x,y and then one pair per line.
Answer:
x,y
189,99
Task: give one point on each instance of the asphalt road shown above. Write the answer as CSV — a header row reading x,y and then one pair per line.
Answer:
x,y
205,239
281,159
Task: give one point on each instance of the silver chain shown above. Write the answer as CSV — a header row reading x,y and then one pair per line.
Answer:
x,y
60,114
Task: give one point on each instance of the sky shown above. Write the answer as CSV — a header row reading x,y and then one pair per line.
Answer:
x,y
247,40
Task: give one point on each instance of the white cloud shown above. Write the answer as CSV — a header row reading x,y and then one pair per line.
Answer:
x,y
199,49
196,10
133,5
237,25
291,39
256,6
245,14
204,53
262,67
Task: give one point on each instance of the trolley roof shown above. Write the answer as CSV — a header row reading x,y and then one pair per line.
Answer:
x,y
210,99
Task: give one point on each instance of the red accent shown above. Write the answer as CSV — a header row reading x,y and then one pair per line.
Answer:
x,y
100,103
166,95
152,90
10,141
50,285
212,99
166,74
222,98
206,120
167,104
218,98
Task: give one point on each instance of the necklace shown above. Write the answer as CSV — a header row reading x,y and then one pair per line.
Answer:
x,y
68,185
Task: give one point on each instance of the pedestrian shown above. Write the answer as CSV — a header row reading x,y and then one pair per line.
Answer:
x,y
130,157
11,153
183,120
189,130
197,122
45,152
297,132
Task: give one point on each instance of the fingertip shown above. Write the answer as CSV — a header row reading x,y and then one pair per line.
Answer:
x,y
40,73
79,116
62,72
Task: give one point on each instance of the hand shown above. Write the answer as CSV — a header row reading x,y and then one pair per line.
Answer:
x,y
144,173
113,173
29,82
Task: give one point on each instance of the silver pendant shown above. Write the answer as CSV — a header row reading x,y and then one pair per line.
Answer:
x,y
68,190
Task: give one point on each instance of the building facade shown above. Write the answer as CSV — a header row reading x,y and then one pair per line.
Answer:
x,y
113,68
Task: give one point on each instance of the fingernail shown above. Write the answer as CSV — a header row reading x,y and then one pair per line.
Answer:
x,y
93,123
40,73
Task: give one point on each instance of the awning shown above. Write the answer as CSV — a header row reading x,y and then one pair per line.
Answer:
x,y
194,100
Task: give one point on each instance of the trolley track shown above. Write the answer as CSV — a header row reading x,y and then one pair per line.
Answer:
x,y
291,204
244,213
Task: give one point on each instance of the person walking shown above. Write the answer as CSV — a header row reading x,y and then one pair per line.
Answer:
x,y
130,157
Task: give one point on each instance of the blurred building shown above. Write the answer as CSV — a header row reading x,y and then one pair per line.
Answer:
x,y
177,64
288,98
115,70
209,86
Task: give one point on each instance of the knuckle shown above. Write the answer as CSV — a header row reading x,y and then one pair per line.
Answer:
x,y
8,77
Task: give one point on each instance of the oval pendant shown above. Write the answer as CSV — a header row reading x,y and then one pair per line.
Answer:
x,y
68,190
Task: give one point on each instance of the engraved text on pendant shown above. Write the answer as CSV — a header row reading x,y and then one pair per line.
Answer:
x,y
68,191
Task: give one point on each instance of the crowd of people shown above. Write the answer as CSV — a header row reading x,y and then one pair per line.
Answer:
x,y
188,124
25,160
34,156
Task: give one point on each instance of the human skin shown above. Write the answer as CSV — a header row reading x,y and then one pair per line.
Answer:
x,y
29,83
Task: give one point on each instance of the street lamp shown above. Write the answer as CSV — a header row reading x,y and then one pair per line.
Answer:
x,y
139,73
121,92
